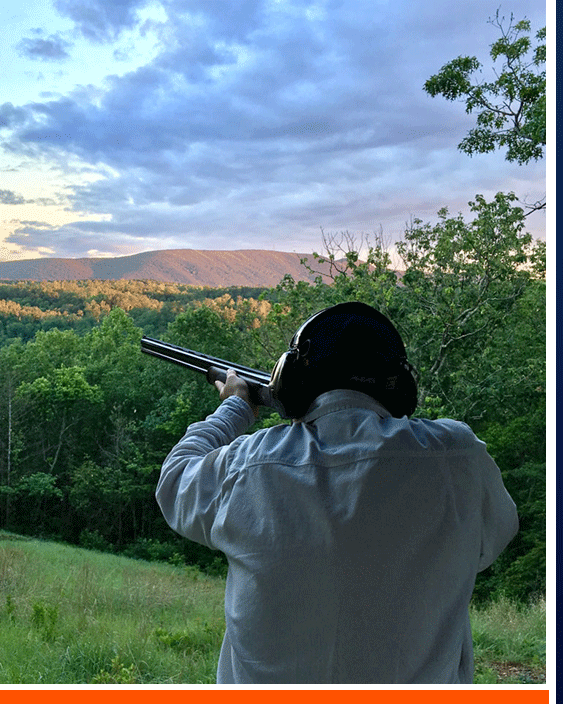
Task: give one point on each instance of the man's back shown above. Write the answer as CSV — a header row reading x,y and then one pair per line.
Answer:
x,y
353,540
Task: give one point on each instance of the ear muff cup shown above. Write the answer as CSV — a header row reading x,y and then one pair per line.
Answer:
x,y
399,391
288,385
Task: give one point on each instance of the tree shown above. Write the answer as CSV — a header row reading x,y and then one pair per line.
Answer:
x,y
511,108
189,397
462,282
113,501
59,402
10,414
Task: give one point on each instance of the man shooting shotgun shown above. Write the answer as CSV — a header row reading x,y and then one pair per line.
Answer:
x,y
353,535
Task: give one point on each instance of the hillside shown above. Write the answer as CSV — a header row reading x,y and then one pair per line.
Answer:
x,y
245,267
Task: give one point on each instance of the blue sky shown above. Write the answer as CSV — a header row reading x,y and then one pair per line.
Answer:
x,y
128,126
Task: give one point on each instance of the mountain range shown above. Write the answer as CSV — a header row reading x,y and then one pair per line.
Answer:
x,y
243,267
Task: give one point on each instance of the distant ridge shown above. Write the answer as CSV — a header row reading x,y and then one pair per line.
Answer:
x,y
243,267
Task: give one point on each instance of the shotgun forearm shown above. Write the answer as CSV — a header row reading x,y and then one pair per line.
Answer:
x,y
215,369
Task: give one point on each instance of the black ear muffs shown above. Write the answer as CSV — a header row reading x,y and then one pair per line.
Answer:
x,y
332,336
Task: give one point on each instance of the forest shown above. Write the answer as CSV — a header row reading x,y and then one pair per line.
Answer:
x,y
86,419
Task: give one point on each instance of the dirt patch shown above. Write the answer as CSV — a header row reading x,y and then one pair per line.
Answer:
x,y
518,672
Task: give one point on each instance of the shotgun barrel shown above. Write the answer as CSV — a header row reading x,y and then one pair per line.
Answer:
x,y
215,369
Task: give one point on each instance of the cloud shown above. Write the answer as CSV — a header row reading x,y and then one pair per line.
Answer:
x,y
291,86
11,116
100,20
54,48
11,198
260,119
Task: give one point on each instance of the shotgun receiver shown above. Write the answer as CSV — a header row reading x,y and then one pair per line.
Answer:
x,y
215,369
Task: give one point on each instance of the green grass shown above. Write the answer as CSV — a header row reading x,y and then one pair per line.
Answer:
x,y
509,642
73,616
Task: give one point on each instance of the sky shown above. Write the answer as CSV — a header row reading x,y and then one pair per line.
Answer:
x,y
135,125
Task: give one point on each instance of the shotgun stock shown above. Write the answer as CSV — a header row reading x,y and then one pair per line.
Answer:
x,y
215,369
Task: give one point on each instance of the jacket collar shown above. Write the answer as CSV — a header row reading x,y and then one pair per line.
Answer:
x,y
339,399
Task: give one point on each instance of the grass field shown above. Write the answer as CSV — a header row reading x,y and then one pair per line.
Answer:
x,y
73,616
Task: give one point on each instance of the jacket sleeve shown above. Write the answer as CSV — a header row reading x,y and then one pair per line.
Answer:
x,y
195,472
499,514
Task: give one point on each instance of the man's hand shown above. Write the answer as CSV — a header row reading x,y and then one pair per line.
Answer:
x,y
235,386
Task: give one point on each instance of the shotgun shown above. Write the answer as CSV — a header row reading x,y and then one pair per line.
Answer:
x,y
215,369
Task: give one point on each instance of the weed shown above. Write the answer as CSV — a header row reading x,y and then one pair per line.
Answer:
x,y
44,619
199,637
117,674
10,608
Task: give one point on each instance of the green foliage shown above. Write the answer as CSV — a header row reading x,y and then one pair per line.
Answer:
x,y
206,329
10,609
63,388
511,108
462,281
201,637
105,498
93,540
39,486
271,421
152,550
218,567
28,307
